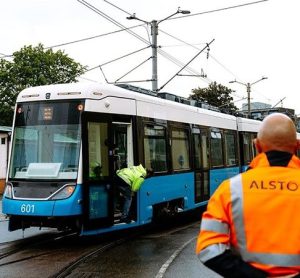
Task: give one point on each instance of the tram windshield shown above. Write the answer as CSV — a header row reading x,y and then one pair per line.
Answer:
x,y
46,141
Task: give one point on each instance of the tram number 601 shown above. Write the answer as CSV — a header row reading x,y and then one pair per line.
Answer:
x,y
27,208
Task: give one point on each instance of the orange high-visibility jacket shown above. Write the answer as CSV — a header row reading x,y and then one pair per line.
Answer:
x,y
257,214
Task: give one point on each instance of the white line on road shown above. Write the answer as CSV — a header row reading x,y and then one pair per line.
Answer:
x,y
165,266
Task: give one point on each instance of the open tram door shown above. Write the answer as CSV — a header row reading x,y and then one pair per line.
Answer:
x,y
106,148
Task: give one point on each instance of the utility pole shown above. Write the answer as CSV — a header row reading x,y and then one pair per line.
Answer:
x,y
154,33
248,86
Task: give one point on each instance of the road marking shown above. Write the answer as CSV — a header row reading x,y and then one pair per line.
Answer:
x,y
166,265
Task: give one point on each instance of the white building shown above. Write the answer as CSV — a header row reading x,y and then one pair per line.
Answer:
x,y
5,133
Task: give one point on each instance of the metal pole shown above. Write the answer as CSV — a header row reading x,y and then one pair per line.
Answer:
x,y
154,33
248,97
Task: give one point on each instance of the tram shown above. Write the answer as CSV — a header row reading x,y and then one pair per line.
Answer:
x,y
62,133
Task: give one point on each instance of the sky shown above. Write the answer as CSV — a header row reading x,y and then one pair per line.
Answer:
x,y
249,42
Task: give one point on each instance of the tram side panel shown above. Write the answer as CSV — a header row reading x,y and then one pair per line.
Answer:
x,y
180,186
163,189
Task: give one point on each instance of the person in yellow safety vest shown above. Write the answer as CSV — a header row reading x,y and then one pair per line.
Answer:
x,y
96,170
251,227
129,180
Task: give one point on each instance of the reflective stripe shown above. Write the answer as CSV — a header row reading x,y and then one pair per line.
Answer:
x,y
237,212
284,260
212,251
214,226
274,259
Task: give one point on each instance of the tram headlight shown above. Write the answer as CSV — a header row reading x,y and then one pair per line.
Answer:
x,y
64,193
8,191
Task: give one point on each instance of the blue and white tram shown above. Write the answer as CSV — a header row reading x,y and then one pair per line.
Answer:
x,y
247,129
69,140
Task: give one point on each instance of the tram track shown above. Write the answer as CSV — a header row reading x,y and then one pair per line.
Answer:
x,y
55,256
66,254
96,262
68,269
15,247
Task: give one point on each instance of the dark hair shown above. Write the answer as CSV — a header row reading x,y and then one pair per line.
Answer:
x,y
149,171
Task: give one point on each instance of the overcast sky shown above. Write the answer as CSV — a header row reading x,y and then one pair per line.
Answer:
x,y
250,41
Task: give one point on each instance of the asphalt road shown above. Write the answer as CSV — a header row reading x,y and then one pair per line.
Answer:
x,y
166,254
163,254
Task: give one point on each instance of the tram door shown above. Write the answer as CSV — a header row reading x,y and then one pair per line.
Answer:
x,y
122,158
122,136
105,150
201,162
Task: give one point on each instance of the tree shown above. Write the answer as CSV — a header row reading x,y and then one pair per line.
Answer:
x,y
216,95
33,66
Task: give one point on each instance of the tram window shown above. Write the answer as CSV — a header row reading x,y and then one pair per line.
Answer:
x,y
216,149
197,151
247,148
98,150
253,149
180,149
205,150
230,149
201,186
155,148
201,149
205,185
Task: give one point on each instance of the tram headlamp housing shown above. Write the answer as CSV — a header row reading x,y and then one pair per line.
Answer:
x,y
8,192
63,193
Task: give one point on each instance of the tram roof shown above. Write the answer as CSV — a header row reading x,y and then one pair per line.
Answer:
x,y
146,102
245,124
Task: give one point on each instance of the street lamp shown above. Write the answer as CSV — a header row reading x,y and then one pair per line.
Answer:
x,y
248,86
154,33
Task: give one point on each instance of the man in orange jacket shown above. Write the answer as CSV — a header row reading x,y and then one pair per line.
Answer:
x,y
251,227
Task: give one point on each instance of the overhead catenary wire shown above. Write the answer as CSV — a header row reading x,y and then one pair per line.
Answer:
x,y
195,73
187,64
88,79
94,37
139,65
161,52
195,47
119,58
220,9
210,55
195,14
126,28
115,6
110,19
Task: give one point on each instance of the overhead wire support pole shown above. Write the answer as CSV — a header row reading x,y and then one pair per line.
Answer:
x,y
123,28
248,86
186,64
154,34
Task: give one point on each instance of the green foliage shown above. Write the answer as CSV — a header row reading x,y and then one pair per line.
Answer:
x,y
33,66
216,95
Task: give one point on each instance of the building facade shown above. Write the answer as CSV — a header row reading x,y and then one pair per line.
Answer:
x,y
5,134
